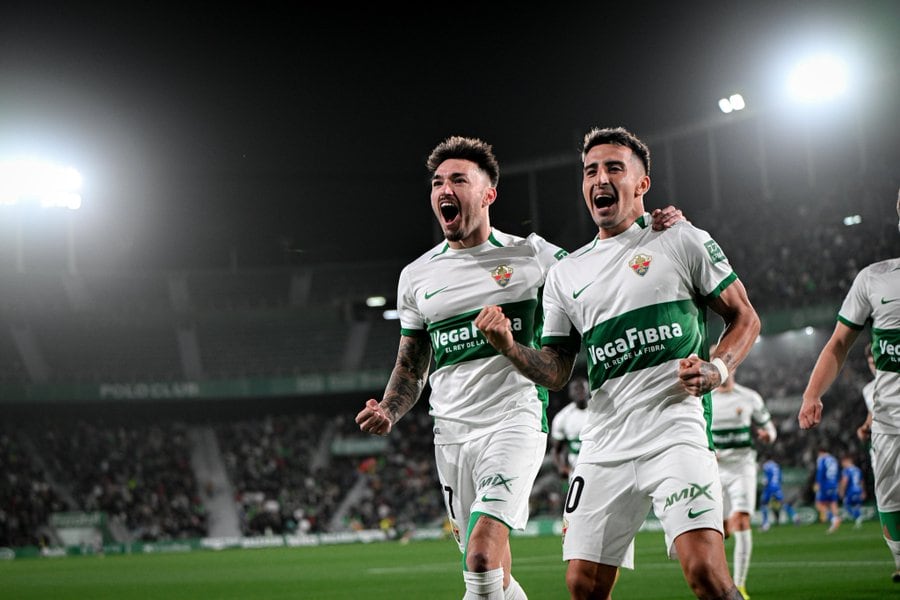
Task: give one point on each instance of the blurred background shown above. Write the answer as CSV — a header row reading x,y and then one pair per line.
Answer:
x,y
204,212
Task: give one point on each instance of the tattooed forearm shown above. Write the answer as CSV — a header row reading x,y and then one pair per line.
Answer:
x,y
408,377
550,366
711,377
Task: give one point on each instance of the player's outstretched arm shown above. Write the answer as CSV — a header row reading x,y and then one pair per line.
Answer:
x,y
403,389
551,366
827,367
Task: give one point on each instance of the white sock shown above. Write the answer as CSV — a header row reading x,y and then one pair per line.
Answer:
x,y
514,591
894,545
484,586
743,548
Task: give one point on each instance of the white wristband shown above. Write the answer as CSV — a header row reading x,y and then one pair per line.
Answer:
x,y
719,364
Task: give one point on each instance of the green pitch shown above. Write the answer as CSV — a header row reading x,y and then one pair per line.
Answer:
x,y
788,562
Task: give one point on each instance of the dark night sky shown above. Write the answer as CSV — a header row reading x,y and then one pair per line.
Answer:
x,y
201,128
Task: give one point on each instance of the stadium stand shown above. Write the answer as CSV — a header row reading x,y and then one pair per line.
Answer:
x,y
302,466
93,347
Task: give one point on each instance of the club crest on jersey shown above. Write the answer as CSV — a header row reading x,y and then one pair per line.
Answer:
x,y
640,264
502,275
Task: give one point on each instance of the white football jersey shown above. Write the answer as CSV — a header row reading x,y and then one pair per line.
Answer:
x,y
474,389
875,295
636,301
566,427
734,413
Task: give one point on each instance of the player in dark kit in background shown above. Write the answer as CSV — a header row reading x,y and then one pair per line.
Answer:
x,y
772,497
851,489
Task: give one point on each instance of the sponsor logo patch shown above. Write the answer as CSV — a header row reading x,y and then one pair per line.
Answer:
x,y
714,251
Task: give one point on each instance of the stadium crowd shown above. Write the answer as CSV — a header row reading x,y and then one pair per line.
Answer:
x,y
288,480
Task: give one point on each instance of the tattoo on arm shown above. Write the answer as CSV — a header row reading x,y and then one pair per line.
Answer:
x,y
551,366
408,377
730,360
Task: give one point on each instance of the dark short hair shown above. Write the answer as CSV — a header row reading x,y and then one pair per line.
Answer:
x,y
620,137
466,148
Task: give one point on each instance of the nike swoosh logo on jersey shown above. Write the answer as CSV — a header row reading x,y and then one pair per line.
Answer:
x,y
486,499
883,301
436,292
578,293
694,515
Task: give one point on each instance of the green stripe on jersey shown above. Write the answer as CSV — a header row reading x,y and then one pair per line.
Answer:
x,y
886,349
739,437
457,340
644,337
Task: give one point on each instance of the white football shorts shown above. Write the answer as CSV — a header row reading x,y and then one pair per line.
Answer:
x,y
886,451
608,502
738,486
493,474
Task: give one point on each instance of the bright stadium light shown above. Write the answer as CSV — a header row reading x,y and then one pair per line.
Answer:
x,y
852,220
390,315
732,103
32,181
818,79
375,301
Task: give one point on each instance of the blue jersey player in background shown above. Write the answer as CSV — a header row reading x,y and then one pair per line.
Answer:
x,y
852,488
828,473
772,496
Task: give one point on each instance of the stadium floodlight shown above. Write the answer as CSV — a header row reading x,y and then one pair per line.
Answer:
x,y
375,301
390,315
732,103
852,220
819,78
30,181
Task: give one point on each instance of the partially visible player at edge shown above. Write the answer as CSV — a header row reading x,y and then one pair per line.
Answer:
x,y
636,301
874,297
490,422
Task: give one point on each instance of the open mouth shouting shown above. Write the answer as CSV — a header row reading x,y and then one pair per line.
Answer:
x,y
604,199
449,210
